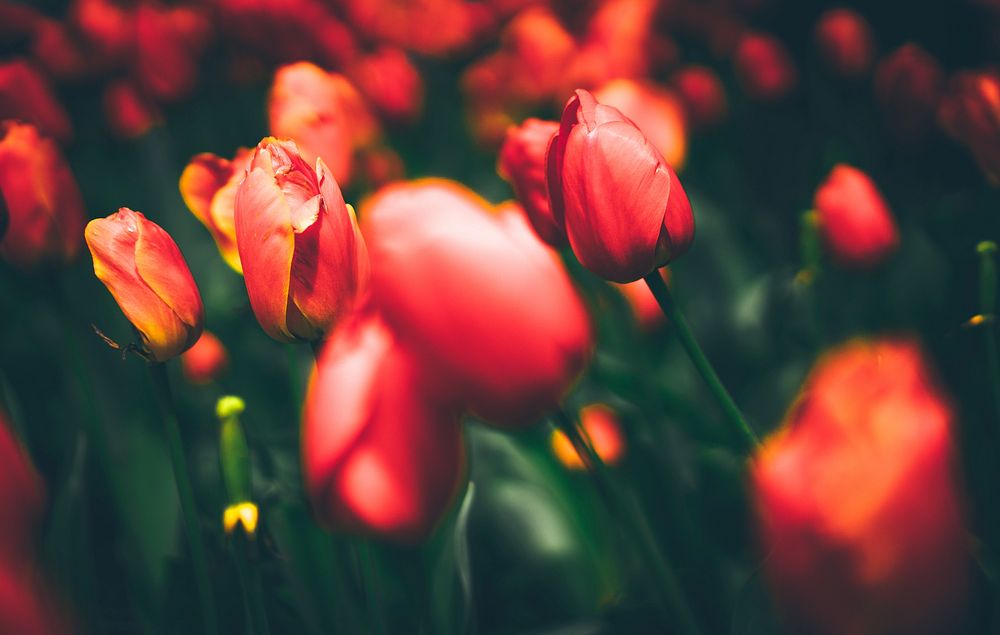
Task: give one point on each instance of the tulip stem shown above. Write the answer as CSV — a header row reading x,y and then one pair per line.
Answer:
x,y
253,592
372,586
632,520
182,478
701,363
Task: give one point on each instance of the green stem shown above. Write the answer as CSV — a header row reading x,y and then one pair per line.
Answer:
x,y
182,478
701,363
633,521
253,592
372,585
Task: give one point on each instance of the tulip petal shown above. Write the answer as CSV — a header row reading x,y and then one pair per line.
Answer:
x,y
160,264
205,175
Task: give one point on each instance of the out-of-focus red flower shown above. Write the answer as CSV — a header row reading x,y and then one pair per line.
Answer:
x,y
623,208
25,95
429,27
644,306
304,261
391,83
106,25
600,423
845,42
208,186
857,501
45,207
22,496
854,219
908,85
381,165
128,112
451,277
18,22
144,270
970,113
703,95
169,42
618,42
655,111
25,606
60,52
206,360
522,164
764,68
380,455
323,113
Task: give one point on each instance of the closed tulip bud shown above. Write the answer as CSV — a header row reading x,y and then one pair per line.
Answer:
x,y
144,270
970,113
25,95
208,186
908,84
600,423
304,260
854,220
43,202
205,361
623,208
380,455
703,95
451,277
655,111
845,42
522,164
857,502
764,67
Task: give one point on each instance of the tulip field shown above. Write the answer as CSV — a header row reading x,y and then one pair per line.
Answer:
x,y
499,317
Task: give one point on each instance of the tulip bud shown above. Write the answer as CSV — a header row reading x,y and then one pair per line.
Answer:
x,y
380,455
234,453
845,42
908,87
304,260
44,204
623,208
764,67
854,220
445,268
522,164
205,361
25,95
208,186
144,270
970,113
857,502
600,423
128,112
703,95
656,112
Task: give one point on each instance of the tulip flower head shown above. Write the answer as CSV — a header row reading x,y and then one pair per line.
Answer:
x,y
845,42
205,361
144,270
25,95
623,208
764,67
208,186
601,425
856,498
854,219
970,113
703,95
522,163
304,260
908,86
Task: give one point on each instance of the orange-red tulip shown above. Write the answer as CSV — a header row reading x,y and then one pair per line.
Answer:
x,y
451,277
128,112
623,208
205,361
144,270
600,423
25,95
970,113
44,204
304,261
764,67
168,43
379,454
430,27
655,111
857,501
854,219
845,42
703,95
522,164
908,84
208,186
391,83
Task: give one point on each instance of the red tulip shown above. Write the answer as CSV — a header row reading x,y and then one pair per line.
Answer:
x,y
128,112
304,261
169,41
623,208
205,361
522,163
391,83
854,219
845,42
25,606
144,270
703,95
429,27
857,500
44,204
764,67
908,87
655,111
600,423
208,186
379,454
451,277
970,113
25,95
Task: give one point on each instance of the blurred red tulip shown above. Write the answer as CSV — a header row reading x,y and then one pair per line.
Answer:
x,y
169,41
619,42
970,113
908,84
646,309
764,67
144,270
703,95
655,111
391,83
323,113
128,112
107,26
854,219
60,52
857,500
208,186
304,261
381,165
522,164
44,204
380,456
623,208
429,27
25,606
26,95
600,423
451,277
204,362
845,42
